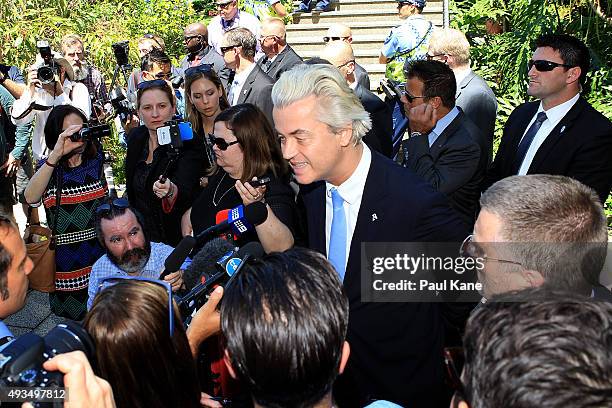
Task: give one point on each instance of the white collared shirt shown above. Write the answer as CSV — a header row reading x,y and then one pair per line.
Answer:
x,y
242,19
238,83
351,192
553,117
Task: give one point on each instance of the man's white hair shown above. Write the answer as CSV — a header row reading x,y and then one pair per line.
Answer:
x,y
337,104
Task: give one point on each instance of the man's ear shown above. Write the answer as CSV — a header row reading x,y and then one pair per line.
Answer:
x,y
346,352
435,102
228,363
533,278
346,136
573,74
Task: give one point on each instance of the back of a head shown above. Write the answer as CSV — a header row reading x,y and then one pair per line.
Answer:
x,y
338,53
572,50
339,30
539,349
156,56
437,77
284,322
129,323
558,223
452,42
274,26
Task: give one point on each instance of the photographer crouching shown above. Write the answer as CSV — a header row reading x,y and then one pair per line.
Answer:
x,y
71,184
86,390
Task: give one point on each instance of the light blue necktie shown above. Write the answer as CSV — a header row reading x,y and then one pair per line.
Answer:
x,y
337,238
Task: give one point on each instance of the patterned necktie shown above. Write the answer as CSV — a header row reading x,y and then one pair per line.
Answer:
x,y
265,64
337,238
526,142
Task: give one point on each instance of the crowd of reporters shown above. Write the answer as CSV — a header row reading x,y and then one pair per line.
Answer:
x,y
246,140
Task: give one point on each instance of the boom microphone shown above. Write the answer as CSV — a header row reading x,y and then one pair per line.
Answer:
x,y
203,263
176,258
240,220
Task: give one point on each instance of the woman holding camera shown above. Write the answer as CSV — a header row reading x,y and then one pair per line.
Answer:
x,y
71,184
160,180
246,149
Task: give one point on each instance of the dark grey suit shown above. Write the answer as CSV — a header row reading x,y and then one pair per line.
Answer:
x,y
379,137
257,89
478,102
209,56
361,75
284,61
455,164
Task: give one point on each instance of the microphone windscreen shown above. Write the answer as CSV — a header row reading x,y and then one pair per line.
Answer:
x,y
176,258
256,213
204,262
252,248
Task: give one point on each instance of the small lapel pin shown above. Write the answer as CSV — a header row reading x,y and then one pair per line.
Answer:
x,y
374,217
562,129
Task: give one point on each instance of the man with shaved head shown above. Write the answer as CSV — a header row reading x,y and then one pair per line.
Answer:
x,y
340,54
342,32
199,52
280,57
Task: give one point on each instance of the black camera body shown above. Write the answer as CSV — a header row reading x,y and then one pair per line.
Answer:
x,y
390,88
91,133
121,103
21,361
121,50
49,69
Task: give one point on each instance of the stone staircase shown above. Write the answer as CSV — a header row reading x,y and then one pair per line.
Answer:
x,y
370,21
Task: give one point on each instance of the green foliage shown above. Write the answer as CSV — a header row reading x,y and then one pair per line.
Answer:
x,y
501,59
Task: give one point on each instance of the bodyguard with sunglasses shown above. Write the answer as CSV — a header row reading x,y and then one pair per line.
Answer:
x,y
561,133
160,201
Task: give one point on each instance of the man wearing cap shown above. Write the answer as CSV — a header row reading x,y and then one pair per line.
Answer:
x,y
38,99
342,32
230,17
280,57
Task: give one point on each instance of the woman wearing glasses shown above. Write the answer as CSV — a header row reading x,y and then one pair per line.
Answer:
x,y
141,346
72,176
245,148
160,201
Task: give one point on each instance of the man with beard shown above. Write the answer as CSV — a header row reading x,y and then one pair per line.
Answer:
x,y
73,50
128,250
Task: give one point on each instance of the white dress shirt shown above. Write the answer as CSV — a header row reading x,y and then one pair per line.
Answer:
x,y
553,117
238,83
351,192
80,99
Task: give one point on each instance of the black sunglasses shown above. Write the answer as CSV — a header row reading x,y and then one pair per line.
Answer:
x,y
545,66
328,39
227,48
221,143
197,69
163,75
119,203
151,84
409,97
190,37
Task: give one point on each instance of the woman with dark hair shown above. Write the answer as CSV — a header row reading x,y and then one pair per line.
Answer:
x,y
160,201
71,184
141,345
246,149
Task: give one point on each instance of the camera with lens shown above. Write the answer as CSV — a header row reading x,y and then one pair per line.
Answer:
x,y
122,105
121,50
21,361
390,88
49,69
91,133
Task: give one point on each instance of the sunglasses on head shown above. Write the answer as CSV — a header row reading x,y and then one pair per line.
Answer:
x,y
545,66
151,84
328,39
120,203
109,281
221,143
200,68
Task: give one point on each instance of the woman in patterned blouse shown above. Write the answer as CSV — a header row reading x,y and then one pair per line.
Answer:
x,y
76,166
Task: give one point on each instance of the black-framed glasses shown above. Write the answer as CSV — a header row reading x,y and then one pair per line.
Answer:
x,y
163,75
228,47
454,359
119,203
197,69
409,97
221,143
328,38
431,57
345,64
151,84
545,66
188,38
107,282
471,249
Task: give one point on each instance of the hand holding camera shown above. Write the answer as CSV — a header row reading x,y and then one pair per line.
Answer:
x,y
65,144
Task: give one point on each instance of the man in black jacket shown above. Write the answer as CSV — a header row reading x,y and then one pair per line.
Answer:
x,y
279,57
340,54
445,147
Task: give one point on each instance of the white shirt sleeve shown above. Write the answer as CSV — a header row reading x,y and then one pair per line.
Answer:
x,y
80,98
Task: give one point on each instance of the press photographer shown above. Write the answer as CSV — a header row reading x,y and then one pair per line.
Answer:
x,y
11,78
50,83
71,185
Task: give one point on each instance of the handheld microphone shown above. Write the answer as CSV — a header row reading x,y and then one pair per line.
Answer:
x,y
204,261
240,220
221,216
176,258
226,267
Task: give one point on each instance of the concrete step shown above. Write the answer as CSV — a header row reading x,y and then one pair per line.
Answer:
x,y
359,28
434,14
373,41
346,5
363,57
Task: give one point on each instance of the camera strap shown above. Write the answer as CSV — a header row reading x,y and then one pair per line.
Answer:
x,y
33,106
